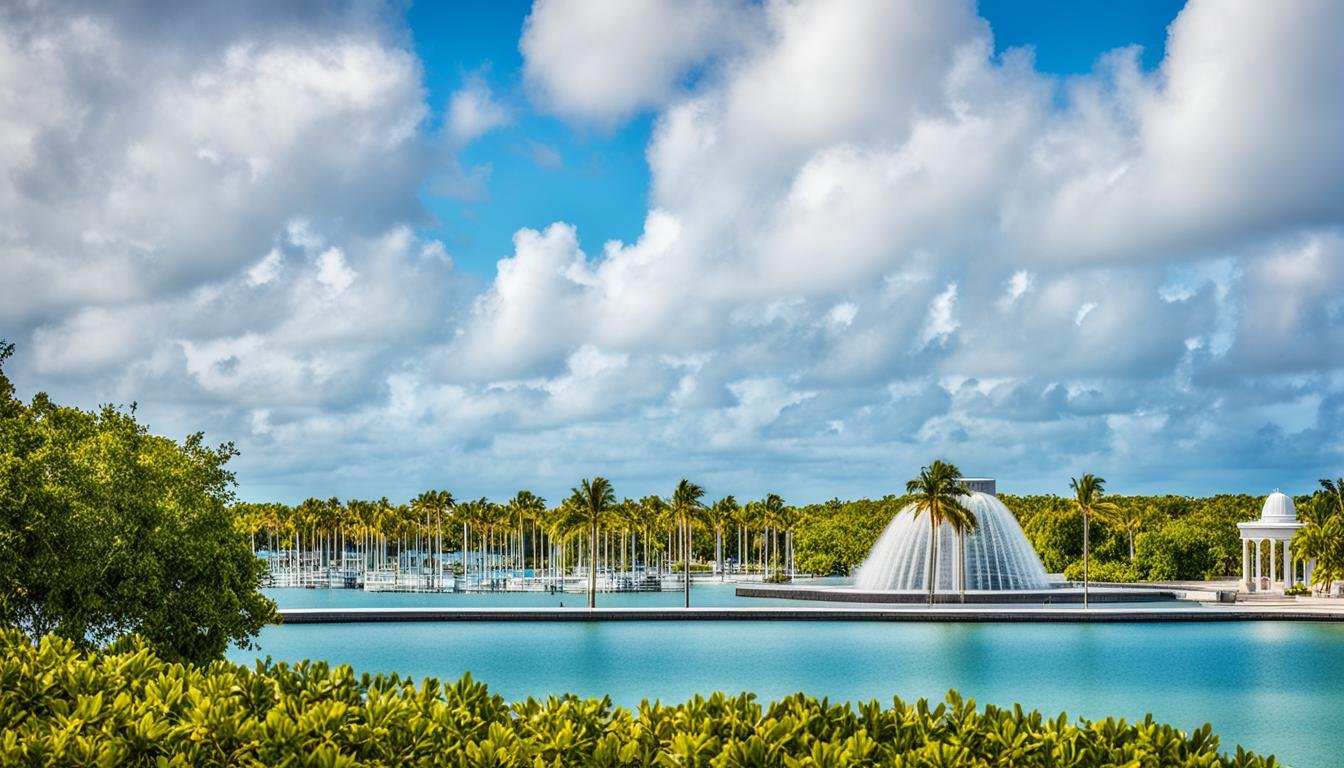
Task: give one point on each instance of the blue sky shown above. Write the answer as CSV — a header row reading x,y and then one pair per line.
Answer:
x,y
788,245
601,185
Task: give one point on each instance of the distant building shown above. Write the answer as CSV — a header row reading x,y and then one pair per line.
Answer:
x,y
1267,563
978,484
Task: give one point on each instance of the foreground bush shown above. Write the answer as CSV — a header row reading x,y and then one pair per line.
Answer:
x,y
58,707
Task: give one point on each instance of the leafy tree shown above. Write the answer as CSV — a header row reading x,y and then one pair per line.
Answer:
x,y
1054,529
937,495
1180,550
1128,519
835,537
108,531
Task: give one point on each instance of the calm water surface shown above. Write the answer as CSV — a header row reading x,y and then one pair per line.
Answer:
x,y
1274,687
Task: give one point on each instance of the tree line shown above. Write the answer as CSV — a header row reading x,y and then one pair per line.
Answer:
x,y
1088,535
590,531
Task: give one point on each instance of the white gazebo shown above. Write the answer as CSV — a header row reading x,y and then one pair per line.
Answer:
x,y
1260,569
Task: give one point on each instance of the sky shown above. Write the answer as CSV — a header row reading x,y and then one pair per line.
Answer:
x,y
790,245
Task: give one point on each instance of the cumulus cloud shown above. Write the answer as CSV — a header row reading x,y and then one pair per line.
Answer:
x,y
127,169
871,240
600,62
473,111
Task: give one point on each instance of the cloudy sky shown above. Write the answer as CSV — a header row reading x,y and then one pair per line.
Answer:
x,y
793,246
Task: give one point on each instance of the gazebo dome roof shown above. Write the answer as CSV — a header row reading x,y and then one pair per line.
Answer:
x,y
1278,509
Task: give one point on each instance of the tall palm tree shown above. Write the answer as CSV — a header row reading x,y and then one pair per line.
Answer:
x,y
748,518
526,506
937,495
434,506
653,515
723,512
771,513
686,511
593,500
1087,492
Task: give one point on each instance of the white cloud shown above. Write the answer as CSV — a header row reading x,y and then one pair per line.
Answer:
x,y
267,269
870,239
333,272
602,61
146,167
473,112
1017,287
942,321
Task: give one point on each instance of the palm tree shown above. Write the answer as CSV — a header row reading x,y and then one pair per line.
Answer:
x,y
771,512
746,519
937,495
526,506
720,515
1335,488
434,505
786,518
686,510
653,513
592,500
1128,519
1087,496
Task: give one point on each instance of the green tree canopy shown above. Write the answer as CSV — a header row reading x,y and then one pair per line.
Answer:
x,y
108,531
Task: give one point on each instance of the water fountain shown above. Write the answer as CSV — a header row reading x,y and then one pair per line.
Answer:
x,y
998,555
1001,566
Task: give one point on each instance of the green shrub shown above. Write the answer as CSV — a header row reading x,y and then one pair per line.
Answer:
x,y
1298,589
1184,550
1105,572
58,707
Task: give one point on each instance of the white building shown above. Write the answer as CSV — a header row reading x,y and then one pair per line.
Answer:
x,y
1266,548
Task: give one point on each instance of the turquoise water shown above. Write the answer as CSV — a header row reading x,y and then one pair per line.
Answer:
x,y
1274,687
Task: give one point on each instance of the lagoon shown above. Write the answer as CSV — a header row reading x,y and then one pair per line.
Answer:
x,y
1274,687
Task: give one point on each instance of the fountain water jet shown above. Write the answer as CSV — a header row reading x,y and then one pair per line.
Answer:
x,y
998,555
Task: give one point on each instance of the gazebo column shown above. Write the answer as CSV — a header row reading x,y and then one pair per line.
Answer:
x,y
1246,563
1273,563
1289,578
1257,564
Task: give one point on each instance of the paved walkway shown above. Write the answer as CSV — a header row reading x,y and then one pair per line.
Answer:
x,y
1288,611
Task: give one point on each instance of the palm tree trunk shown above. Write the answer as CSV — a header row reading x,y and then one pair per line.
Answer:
x,y
686,536
592,566
1086,520
718,550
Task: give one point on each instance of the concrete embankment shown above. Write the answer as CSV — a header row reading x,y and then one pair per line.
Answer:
x,y
1195,613
1034,597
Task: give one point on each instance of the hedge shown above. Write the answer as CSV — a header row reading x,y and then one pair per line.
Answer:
x,y
60,707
